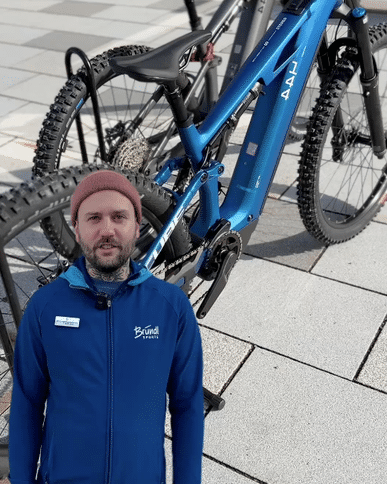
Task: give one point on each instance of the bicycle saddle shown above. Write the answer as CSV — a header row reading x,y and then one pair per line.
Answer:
x,y
159,65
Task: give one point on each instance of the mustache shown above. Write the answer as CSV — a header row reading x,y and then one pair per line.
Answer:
x,y
107,240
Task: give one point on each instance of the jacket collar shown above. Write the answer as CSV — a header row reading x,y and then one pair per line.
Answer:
x,y
77,275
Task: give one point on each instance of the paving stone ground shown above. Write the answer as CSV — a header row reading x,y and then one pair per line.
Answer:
x,y
297,342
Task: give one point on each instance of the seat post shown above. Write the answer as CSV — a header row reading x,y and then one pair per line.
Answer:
x,y
174,96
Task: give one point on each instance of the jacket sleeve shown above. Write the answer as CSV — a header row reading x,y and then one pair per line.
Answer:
x,y
30,388
185,389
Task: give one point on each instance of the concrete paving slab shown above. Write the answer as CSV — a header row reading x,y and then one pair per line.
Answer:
x,y
66,23
290,423
293,147
49,62
19,151
375,4
222,356
122,30
8,105
285,177
4,139
10,55
382,215
294,425
13,34
159,35
133,14
374,371
201,5
315,320
11,77
61,41
25,122
290,195
212,472
78,9
360,261
281,237
32,90
33,5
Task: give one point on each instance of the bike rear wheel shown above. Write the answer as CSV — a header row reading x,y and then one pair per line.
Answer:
x,y
137,122
341,182
28,257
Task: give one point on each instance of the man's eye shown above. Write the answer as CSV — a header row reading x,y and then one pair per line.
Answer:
x,y
94,217
120,216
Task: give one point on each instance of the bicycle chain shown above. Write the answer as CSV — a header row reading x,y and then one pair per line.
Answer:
x,y
180,260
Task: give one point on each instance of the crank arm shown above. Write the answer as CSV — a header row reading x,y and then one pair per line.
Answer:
x,y
218,285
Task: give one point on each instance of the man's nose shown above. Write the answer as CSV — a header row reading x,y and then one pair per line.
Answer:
x,y
107,226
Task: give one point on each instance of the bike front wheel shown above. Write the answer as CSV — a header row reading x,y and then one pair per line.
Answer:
x,y
341,184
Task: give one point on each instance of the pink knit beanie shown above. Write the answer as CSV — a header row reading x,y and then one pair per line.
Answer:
x,y
104,180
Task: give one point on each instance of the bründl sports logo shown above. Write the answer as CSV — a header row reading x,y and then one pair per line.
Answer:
x,y
146,333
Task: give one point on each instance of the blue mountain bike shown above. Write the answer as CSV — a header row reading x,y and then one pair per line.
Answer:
x,y
342,178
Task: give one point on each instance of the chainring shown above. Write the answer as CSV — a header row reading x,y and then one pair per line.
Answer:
x,y
227,242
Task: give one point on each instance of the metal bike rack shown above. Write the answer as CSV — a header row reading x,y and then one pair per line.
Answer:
x,y
91,88
13,301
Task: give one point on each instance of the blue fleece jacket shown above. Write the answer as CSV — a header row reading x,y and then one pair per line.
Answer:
x,y
102,366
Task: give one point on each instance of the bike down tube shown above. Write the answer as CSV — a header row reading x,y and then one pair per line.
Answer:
x,y
281,61
206,177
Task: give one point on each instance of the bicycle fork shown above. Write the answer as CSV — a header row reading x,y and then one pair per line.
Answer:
x,y
369,78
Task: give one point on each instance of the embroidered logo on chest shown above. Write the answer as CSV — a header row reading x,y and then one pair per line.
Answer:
x,y
146,333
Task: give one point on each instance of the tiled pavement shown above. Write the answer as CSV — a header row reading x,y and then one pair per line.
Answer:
x,y
297,341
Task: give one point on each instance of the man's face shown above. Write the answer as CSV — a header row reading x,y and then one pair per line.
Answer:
x,y
107,230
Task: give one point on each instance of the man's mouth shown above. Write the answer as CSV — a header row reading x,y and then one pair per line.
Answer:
x,y
107,246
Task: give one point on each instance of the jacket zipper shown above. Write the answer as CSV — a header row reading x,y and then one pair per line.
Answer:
x,y
110,415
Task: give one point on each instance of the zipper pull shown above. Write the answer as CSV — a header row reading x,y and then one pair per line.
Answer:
x,y
103,302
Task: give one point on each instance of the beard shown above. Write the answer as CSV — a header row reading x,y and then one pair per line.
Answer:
x,y
107,265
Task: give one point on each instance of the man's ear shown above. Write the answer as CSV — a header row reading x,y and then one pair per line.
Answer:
x,y
137,230
76,227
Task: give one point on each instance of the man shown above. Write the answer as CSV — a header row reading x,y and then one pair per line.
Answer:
x,y
96,353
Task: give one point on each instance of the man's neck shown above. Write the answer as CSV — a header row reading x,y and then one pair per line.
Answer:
x,y
119,275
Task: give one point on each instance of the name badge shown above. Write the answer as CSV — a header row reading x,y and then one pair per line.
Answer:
x,y
67,322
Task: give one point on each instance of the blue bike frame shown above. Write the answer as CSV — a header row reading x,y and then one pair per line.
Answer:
x,y
279,65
